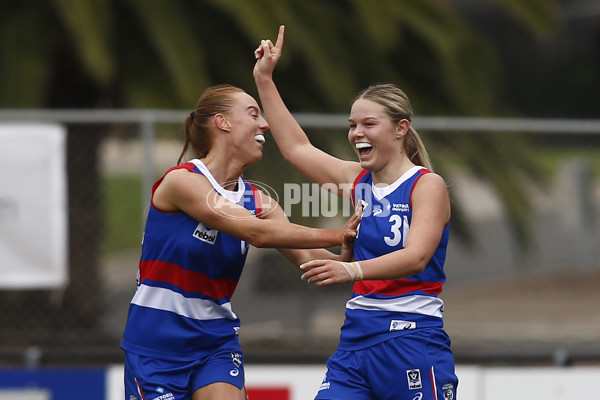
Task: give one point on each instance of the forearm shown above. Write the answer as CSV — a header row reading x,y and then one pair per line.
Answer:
x,y
279,234
300,256
396,265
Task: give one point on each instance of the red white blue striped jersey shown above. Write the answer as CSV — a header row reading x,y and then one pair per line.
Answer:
x,y
382,309
187,275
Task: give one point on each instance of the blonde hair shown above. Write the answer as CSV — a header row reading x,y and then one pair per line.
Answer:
x,y
215,100
398,107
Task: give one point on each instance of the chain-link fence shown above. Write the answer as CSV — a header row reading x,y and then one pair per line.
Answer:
x,y
502,301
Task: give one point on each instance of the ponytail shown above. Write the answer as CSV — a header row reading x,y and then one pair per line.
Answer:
x,y
415,149
186,129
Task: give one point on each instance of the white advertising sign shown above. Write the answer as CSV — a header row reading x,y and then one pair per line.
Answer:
x,y
33,206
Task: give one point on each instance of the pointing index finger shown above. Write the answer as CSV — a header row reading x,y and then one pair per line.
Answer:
x,y
280,35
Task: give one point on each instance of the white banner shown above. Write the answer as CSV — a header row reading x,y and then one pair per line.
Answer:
x,y
33,206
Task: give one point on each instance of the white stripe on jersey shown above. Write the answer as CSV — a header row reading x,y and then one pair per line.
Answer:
x,y
426,305
168,300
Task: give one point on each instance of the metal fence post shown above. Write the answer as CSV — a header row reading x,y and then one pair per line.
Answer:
x,y
147,131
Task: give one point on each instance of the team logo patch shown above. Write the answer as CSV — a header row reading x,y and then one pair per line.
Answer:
x,y
205,234
448,390
414,379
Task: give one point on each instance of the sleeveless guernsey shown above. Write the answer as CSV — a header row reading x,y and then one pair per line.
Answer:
x,y
187,274
383,309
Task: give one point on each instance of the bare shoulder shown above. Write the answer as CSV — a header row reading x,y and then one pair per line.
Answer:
x,y
181,178
430,195
433,181
178,187
431,187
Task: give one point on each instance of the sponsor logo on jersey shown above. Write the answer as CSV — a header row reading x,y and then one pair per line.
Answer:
x,y
166,396
205,234
325,384
236,358
414,379
399,325
377,210
401,207
418,396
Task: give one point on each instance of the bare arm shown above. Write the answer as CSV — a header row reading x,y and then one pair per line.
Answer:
x,y
292,141
301,256
192,194
431,212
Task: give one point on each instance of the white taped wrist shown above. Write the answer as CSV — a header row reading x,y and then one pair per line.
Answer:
x,y
354,270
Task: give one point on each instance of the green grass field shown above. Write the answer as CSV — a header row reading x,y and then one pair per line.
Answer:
x,y
123,213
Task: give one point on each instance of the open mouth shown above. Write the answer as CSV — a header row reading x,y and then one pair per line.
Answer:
x,y
363,148
260,139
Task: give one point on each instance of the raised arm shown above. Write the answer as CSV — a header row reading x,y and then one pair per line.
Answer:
x,y
315,164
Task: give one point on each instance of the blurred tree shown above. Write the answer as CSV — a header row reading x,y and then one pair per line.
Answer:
x,y
162,54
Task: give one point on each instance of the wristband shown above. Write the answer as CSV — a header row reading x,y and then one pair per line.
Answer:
x,y
354,270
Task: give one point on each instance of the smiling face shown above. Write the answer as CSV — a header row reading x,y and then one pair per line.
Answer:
x,y
373,135
246,127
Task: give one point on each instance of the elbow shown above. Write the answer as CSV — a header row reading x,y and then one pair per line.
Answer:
x,y
288,156
257,239
419,264
261,244
293,154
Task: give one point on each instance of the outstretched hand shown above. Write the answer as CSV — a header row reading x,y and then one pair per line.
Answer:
x,y
268,54
325,272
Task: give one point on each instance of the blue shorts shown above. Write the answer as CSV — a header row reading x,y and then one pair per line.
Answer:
x,y
150,378
417,366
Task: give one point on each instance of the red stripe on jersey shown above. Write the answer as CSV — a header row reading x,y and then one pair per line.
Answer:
x,y
422,172
358,178
257,201
139,388
189,166
396,287
189,281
